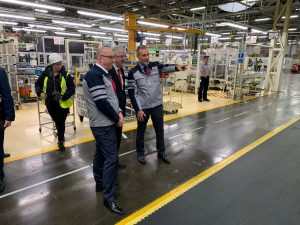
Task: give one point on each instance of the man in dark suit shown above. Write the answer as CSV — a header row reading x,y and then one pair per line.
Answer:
x,y
118,77
7,115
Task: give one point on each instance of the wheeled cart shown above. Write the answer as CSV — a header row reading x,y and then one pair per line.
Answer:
x,y
45,121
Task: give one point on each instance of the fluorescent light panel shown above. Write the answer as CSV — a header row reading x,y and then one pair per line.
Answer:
x,y
112,29
121,35
41,10
68,34
258,31
292,16
152,39
152,24
91,32
46,27
226,33
174,37
198,8
8,23
35,5
102,37
149,34
292,29
211,34
70,23
262,19
98,15
224,38
31,30
16,16
236,26
122,39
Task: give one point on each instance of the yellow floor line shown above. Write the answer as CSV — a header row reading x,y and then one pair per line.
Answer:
x,y
173,194
133,127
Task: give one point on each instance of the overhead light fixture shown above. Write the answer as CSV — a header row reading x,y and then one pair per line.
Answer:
x,y
102,37
258,31
122,40
236,26
178,28
142,17
152,39
238,38
211,34
8,23
121,35
224,38
226,33
249,1
16,16
262,37
174,37
46,27
98,15
35,5
135,9
291,17
262,19
112,29
198,8
71,23
41,10
68,34
292,29
152,24
91,32
149,34
30,30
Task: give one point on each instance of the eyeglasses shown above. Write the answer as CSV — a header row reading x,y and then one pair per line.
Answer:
x,y
108,56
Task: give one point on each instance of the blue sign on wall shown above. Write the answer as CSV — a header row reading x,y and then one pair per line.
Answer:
x,y
241,57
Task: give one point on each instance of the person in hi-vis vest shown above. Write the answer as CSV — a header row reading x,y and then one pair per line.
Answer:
x,y
56,87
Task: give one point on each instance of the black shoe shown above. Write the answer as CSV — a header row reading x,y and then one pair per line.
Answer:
x,y
99,188
121,165
2,186
200,100
207,100
6,155
141,159
114,207
164,158
61,146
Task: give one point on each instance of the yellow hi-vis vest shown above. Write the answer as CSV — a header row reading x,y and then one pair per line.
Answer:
x,y
63,84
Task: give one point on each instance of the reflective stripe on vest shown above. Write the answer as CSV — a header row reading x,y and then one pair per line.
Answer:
x,y
63,84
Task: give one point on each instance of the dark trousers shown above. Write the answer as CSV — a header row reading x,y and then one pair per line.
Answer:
x,y
1,150
156,114
59,116
202,93
105,166
119,131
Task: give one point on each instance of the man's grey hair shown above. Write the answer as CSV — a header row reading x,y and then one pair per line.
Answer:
x,y
119,50
139,48
100,51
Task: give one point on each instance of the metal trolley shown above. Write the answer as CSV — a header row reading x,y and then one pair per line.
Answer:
x,y
45,121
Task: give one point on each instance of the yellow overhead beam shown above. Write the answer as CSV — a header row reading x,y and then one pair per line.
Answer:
x,y
130,23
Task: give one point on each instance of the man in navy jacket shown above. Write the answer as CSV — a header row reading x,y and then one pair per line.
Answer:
x,y
7,115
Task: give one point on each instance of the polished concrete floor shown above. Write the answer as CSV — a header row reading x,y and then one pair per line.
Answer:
x,y
58,188
260,188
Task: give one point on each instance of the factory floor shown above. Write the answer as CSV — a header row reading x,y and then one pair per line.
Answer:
x,y
202,142
31,141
